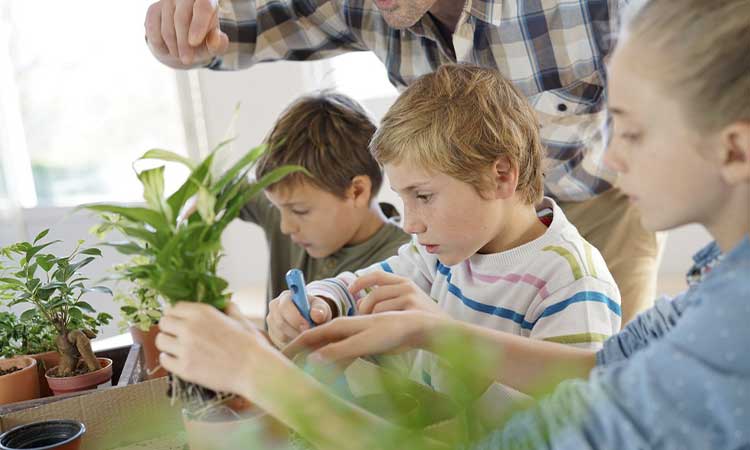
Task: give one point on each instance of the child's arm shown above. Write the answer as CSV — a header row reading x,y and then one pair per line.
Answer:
x,y
521,363
194,339
399,283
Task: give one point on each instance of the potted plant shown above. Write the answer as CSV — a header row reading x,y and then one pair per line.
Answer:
x,y
181,256
54,288
140,313
31,337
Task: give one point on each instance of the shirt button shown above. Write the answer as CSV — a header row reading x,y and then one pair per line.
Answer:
x,y
562,107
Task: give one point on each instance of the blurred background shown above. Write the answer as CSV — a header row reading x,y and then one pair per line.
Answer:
x,y
81,98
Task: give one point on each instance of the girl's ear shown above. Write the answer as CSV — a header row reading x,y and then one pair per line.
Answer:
x,y
360,191
735,153
506,178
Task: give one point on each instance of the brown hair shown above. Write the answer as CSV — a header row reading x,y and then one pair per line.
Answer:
x,y
704,55
458,121
327,134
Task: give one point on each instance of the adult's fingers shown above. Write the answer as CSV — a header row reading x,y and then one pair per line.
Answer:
x,y
152,27
204,13
183,15
168,33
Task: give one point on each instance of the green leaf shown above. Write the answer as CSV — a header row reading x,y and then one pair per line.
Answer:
x,y
126,248
198,177
102,289
142,234
128,310
153,192
75,313
53,285
240,166
133,213
34,250
28,314
12,281
85,306
81,263
205,204
91,251
41,235
46,262
166,155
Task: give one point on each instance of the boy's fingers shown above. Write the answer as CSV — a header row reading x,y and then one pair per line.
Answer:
x,y
200,25
320,310
291,315
376,278
379,294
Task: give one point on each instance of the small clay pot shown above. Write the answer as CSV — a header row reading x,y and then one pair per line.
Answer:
x,y
45,361
147,339
20,385
64,385
46,435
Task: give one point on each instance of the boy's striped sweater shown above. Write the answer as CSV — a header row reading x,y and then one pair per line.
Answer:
x,y
555,288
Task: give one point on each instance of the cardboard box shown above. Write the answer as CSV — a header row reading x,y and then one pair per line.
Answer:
x,y
127,417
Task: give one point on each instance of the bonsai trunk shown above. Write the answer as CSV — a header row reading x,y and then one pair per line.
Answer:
x,y
73,346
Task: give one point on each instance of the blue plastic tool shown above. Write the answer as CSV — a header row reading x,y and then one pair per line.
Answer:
x,y
296,282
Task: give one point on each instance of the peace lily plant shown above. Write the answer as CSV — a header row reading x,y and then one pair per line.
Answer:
x,y
178,258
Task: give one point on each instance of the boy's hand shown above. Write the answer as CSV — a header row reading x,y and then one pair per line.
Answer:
x,y
391,292
185,33
285,322
348,338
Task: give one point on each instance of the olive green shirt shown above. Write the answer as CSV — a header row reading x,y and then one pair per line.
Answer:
x,y
286,255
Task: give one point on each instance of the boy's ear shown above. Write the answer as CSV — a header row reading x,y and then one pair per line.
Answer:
x,y
506,178
735,153
360,190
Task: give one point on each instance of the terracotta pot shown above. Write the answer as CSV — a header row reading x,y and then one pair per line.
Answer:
x,y
147,339
20,385
47,435
83,382
45,361
227,430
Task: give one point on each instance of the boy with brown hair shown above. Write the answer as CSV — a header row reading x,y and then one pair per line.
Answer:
x,y
328,221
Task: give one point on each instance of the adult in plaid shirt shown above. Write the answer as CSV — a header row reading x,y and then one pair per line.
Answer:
x,y
553,51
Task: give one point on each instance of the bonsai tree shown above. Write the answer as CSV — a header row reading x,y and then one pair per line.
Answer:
x,y
54,288
179,258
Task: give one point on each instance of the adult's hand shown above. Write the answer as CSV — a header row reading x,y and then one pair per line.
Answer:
x,y
185,33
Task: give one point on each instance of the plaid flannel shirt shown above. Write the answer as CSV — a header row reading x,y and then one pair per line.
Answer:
x,y
552,50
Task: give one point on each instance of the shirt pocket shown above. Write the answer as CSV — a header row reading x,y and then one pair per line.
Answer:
x,y
582,97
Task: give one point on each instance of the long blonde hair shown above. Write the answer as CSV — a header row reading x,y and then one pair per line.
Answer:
x,y
704,55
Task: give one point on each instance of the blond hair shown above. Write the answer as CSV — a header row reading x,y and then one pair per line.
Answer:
x,y
327,134
704,55
459,120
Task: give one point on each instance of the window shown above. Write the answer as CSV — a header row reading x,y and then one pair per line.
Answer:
x,y
360,75
90,97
